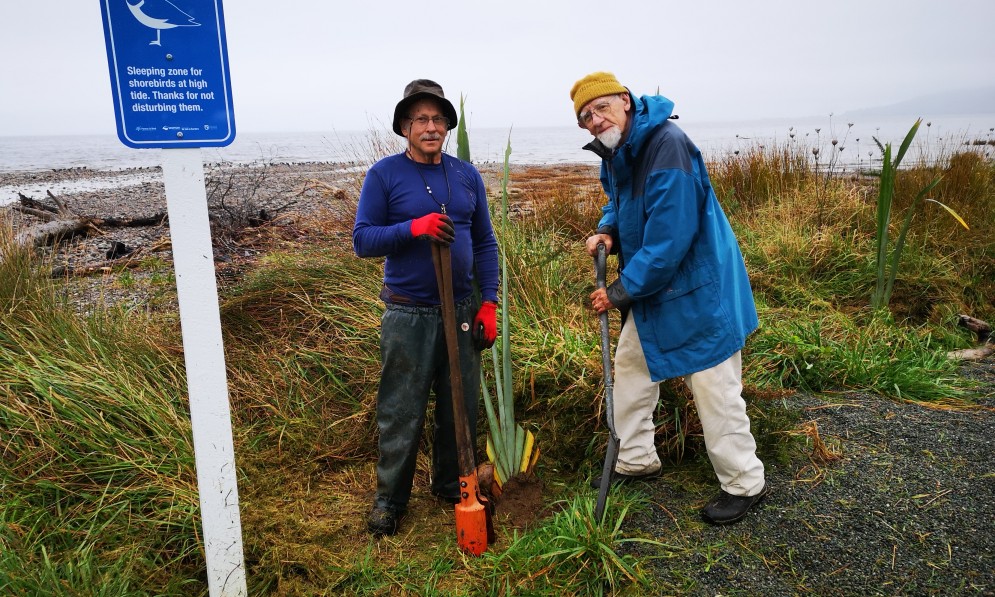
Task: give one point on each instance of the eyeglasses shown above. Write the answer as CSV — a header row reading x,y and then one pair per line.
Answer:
x,y
440,122
602,109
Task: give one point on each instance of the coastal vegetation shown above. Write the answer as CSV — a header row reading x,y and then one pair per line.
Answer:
x,y
97,480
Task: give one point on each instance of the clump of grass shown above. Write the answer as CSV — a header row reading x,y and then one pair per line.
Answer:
x,y
967,185
762,175
808,238
302,336
572,551
97,446
833,351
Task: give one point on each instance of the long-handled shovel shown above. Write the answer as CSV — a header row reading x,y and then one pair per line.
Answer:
x,y
611,457
474,527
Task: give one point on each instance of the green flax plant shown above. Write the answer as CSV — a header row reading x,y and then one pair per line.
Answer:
x,y
887,266
509,445
462,137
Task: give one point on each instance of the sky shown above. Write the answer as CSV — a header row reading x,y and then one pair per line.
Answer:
x,y
319,65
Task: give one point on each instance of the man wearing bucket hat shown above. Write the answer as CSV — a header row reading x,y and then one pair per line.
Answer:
x,y
683,291
409,200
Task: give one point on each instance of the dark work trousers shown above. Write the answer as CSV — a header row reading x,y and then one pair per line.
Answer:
x,y
415,362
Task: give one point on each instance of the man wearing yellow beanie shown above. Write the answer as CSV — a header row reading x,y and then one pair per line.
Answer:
x,y
683,291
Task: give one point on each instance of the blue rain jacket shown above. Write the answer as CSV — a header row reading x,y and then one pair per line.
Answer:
x,y
682,275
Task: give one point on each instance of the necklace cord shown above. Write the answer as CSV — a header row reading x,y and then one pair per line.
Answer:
x,y
449,191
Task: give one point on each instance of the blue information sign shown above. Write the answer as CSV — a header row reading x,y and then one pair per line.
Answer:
x,y
169,72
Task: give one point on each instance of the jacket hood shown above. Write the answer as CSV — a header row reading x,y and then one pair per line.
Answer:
x,y
648,112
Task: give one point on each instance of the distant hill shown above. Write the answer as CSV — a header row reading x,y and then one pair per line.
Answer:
x,y
968,101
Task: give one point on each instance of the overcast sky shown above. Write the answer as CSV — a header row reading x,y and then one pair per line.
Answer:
x,y
337,65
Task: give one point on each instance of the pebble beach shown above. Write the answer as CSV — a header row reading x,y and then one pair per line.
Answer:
x,y
280,189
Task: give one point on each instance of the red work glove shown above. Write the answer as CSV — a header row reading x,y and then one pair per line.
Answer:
x,y
437,227
485,326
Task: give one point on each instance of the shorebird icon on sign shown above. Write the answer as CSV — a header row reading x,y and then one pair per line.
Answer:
x,y
159,15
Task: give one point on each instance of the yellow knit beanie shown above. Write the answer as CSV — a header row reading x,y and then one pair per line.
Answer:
x,y
594,86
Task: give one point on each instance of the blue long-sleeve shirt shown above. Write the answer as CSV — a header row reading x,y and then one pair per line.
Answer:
x,y
394,193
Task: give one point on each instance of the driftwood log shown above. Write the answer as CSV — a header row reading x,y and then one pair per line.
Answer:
x,y
59,222
984,333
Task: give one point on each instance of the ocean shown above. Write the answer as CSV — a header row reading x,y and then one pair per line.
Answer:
x,y
529,145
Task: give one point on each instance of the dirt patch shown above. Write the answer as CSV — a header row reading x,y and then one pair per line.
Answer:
x,y
521,502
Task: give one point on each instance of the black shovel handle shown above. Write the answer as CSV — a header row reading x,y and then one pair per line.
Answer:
x,y
611,456
600,266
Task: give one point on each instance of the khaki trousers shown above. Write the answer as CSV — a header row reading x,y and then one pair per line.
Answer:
x,y
718,398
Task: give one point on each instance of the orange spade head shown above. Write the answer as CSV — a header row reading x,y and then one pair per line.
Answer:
x,y
472,518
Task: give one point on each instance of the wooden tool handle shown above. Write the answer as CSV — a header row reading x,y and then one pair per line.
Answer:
x,y
442,258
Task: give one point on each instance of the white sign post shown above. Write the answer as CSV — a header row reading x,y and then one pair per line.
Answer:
x,y
171,89
203,352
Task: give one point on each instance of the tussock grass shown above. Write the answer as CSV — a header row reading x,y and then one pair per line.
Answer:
x,y
97,454
762,176
303,352
811,227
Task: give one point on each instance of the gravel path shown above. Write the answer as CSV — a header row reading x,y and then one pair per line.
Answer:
x,y
909,509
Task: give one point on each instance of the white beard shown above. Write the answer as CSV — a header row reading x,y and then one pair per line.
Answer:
x,y
611,137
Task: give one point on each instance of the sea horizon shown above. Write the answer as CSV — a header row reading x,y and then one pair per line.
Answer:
x,y
529,145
